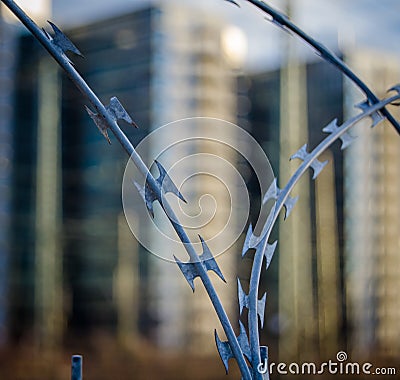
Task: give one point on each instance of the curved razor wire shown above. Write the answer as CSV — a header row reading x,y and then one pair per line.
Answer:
x,y
371,107
283,200
283,21
106,118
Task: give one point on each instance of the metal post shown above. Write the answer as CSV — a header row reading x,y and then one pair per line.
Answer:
x,y
76,367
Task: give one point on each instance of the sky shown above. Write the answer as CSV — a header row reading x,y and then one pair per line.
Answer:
x,y
334,22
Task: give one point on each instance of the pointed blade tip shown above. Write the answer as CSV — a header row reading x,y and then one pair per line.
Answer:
x,y
233,2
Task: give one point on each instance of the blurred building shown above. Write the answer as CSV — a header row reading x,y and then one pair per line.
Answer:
x,y
77,267
353,209
372,194
191,76
8,44
314,302
36,296
117,63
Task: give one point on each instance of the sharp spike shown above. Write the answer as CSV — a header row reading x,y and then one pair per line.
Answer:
x,y
259,243
316,165
269,253
279,25
247,245
272,192
243,298
376,116
100,123
166,183
261,309
275,19
62,41
225,351
346,137
206,255
376,119
266,227
395,88
364,105
208,260
301,153
289,204
140,190
118,112
244,302
244,341
147,196
48,36
150,198
256,242
233,2
188,270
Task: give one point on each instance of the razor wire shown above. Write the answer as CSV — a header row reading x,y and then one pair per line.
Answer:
x,y
106,118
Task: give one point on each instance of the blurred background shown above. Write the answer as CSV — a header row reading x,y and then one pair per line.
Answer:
x,y
73,279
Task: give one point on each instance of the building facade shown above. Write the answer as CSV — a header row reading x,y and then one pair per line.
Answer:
x,y
353,209
372,219
8,45
305,273
77,260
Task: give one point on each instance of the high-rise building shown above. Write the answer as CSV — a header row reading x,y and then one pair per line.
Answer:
x,y
118,58
8,44
372,195
314,303
34,294
192,77
73,257
353,205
